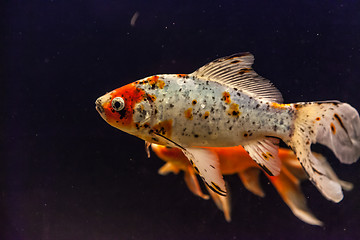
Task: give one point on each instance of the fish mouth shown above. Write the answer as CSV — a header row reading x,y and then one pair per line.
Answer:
x,y
98,106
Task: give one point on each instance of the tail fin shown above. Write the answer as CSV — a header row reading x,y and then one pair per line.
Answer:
x,y
333,124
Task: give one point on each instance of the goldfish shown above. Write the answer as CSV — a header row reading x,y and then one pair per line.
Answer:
x,y
226,103
235,160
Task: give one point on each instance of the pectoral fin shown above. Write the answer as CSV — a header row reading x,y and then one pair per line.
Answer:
x,y
205,162
265,153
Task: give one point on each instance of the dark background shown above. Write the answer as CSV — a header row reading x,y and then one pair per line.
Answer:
x,y
66,174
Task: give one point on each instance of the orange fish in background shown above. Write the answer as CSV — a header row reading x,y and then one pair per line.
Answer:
x,y
236,160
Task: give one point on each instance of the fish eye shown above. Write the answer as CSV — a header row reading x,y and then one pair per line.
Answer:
x,y
118,104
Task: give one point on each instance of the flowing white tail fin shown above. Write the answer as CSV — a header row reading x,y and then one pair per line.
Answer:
x,y
333,124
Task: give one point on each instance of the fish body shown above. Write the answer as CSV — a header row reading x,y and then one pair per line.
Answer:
x,y
194,112
235,160
226,103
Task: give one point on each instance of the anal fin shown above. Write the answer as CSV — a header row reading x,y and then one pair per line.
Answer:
x,y
265,153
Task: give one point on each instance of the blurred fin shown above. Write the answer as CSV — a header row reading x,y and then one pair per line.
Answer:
x,y
222,202
250,179
289,189
147,150
193,183
168,168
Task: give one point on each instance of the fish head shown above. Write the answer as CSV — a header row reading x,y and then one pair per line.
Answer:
x,y
127,108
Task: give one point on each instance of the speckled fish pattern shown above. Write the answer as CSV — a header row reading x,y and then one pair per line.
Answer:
x,y
206,113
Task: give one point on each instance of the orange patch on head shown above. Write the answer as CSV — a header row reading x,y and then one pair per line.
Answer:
x,y
317,119
153,79
226,97
161,84
131,96
234,110
189,114
333,129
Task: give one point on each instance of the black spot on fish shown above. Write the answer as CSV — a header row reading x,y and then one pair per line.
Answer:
x,y
122,113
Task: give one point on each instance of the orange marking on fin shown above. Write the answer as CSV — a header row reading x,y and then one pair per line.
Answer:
x,y
265,156
245,70
230,58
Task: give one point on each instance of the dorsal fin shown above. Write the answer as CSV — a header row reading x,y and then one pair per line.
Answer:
x,y
235,71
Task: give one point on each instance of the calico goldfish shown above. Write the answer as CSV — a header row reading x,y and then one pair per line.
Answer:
x,y
226,103
235,160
